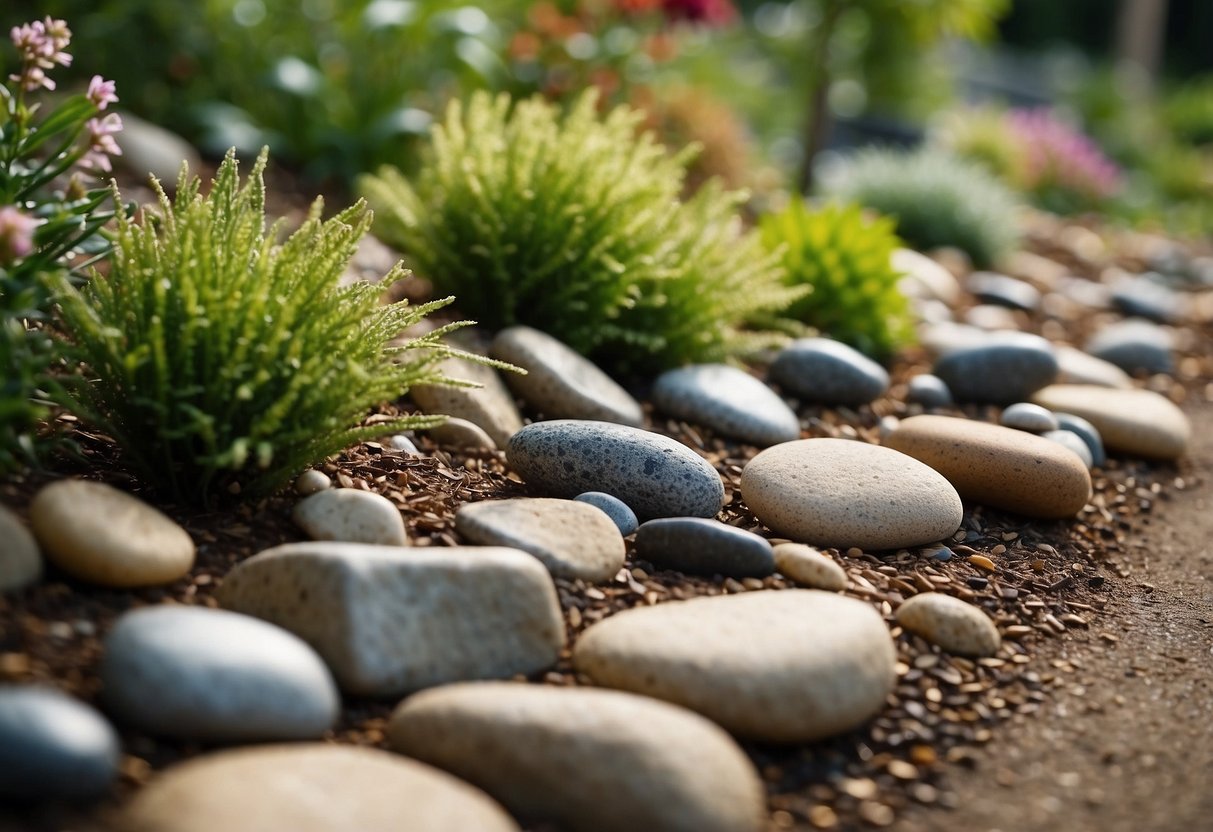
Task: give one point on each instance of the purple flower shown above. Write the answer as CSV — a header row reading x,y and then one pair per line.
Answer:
x,y
101,92
16,234
1060,156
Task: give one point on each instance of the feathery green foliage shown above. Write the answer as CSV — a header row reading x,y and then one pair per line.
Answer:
x,y
843,257
223,361
936,199
574,225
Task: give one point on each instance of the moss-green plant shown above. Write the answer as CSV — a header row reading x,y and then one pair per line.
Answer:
x,y
935,198
224,361
843,256
573,224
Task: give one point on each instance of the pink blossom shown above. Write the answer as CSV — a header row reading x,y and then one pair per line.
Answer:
x,y
16,234
101,143
42,44
101,92
1059,155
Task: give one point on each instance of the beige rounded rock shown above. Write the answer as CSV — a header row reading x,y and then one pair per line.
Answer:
x,y
460,433
1078,367
489,406
309,787
954,625
997,466
20,562
924,277
573,540
99,534
352,516
590,760
1133,422
843,493
312,481
809,567
781,666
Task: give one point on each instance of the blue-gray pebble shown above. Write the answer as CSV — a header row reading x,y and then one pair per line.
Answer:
x,y
828,372
728,400
655,475
1072,441
1087,432
704,547
1007,367
204,674
1146,297
1003,290
1134,346
53,747
620,512
1028,417
928,390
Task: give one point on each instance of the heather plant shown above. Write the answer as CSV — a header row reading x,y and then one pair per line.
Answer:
x,y
935,198
50,220
843,257
224,361
574,224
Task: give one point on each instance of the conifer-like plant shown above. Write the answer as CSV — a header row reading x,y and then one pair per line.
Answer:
x,y
223,361
574,225
842,256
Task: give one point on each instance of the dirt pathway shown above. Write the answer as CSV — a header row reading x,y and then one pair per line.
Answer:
x,y
1126,740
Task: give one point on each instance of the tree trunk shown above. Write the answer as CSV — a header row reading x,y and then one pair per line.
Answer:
x,y
817,117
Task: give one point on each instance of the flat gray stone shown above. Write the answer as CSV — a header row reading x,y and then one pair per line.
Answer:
x,y
699,546
589,760
1003,290
929,391
828,372
195,673
1027,416
792,665
620,512
1078,367
490,406
150,150
20,562
1008,367
389,621
1135,346
572,539
1087,432
53,747
728,400
560,383
351,516
655,475
1146,297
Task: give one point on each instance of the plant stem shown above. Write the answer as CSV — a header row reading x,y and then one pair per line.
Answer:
x,y
817,115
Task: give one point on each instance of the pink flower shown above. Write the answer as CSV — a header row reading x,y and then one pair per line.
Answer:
x,y
101,92
16,234
101,143
42,45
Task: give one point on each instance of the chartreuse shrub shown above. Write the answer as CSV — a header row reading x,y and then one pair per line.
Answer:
x,y
574,225
225,361
935,199
842,256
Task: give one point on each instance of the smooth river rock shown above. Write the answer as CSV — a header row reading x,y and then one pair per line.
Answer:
x,y
53,747
309,787
1135,346
844,493
923,277
997,466
390,620
1003,290
929,391
728,400
460,433
560,383
195,673
1027,416
20,562
1071,440
351,516
1133,422
590,760
1006,367
99,534
791,665
490,406
954,625
699,546
1078,367
828,372
809,567
572,539
1085,431
620,512
655,475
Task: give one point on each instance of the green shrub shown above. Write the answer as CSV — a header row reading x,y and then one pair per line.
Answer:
x,y
225,361
843,257
936,199
574,225
1188,112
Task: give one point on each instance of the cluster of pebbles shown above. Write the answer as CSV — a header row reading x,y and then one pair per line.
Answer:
x,y
752,602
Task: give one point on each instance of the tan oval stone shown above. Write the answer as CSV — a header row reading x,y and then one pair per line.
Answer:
x,y
592,760
782,666
99,534
1078,367
490,406
955,625
1134,422
460,433
809,567
351,515
309,787
998,466
840,492
20,563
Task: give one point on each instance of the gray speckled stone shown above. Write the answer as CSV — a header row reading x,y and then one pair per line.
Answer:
x,y
620,512
828,372
572,539
1027,416
195,673
928,390
655,475
489,406
1087,432
1134,346
1007,368
1078,367
728,400
1072,441
1002,290
20,561
53,747
560,383
350,515
1145,297
700,546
